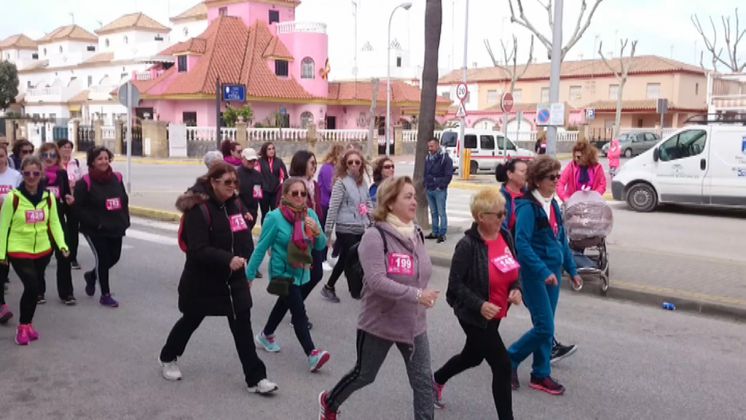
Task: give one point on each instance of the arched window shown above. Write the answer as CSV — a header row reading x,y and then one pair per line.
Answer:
x,y
186,31
307,68
126,40
306,119
106,42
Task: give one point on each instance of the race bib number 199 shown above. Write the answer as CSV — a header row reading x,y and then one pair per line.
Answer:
x,y
400,264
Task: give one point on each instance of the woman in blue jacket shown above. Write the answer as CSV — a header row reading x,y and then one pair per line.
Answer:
x,y
543,251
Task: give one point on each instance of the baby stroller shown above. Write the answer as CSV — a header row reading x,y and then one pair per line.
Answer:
x,y
588,221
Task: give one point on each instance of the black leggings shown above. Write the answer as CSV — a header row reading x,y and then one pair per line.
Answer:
x,y
106,251
64,276
345,241
268,203
483,344
72,229
4,270
31,273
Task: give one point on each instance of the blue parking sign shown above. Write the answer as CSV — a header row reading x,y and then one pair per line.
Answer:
x,y
234,93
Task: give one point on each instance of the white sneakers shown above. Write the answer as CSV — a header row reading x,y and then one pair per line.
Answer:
x,y
170,370
264,387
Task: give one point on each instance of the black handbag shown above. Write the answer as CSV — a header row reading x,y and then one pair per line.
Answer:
x,y
279,286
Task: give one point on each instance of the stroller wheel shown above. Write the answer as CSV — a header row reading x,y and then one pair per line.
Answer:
x,y
604,285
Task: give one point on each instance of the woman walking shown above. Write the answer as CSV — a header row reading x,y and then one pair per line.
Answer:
x,y
28,216
350,212
395,298
512,176
74,174
327,175
543,251
9,180
614,153
102,206
291,231
482,284
383,169
583,173
274,173
213,281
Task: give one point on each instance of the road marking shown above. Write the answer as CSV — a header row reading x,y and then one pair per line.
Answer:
x,y
151,237
173,227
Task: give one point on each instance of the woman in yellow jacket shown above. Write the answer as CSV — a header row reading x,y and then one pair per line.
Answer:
x,y
28,216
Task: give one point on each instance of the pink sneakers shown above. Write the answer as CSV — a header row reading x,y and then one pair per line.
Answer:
x,y
5,313
25,333
33,335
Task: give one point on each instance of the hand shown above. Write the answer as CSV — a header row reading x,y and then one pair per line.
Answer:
x,y
428,297
311,224
237,263
489,310
248,217
65,253
577,282
69,199
4,262
551,280
515,297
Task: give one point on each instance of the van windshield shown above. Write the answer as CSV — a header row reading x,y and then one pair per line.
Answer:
x,y
503,145
449,139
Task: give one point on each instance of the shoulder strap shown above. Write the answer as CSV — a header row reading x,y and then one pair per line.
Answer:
x,y
383,237
206,214
87,180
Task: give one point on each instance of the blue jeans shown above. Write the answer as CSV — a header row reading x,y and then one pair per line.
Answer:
x,y
436,199
541,301
293,302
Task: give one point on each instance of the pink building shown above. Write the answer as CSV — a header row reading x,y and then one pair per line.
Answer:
x,y
283,63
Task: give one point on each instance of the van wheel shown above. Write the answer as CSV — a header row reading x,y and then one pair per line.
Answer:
x,y
628,153
642,197
473,167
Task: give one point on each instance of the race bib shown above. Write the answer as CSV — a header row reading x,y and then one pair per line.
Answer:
x,y
258,193
362,208
55,191
400,264
5,189
113,204
34,216
506,263
238,223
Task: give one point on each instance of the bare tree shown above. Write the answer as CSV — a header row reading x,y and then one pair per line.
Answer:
x,y
621,76
426,125
732,35
511,60
580,27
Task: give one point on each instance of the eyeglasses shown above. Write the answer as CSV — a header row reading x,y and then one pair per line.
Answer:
x,y
354,162
27,151
31,174
227,182
298,194
578,157
553,177
499,214
388,166
51,155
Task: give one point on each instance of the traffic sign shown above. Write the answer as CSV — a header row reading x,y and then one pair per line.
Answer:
x,y
590,114
234,93
122,94
551,114
462,91
507,102
661,106
461,113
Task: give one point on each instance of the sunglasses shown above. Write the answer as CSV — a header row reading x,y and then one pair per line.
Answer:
x,y
227,182
499,214
388,166
578,157
553,177
354,162
51,155
31,174
298,194
27,151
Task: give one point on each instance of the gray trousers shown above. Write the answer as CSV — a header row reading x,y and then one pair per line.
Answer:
x,y
371,352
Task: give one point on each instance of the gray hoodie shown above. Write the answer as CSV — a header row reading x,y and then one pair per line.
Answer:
x,y
389,307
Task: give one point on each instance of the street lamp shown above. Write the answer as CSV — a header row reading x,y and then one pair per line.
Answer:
x,y
405,6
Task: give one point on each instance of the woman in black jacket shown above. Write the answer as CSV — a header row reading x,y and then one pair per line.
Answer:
x,y
274,174
213,282
482,284
102,206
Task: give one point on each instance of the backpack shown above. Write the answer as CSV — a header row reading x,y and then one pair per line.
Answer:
x,y
87,179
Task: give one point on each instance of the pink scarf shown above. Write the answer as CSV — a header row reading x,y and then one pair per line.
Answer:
x,y
51,174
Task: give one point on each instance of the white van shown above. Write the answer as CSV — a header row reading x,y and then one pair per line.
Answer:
x,y
488,148
699,164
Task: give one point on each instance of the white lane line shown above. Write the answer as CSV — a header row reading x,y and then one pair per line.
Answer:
x,y
151,237
173,227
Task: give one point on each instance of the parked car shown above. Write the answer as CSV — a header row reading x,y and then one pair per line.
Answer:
x,y
488,148
700,164
633,144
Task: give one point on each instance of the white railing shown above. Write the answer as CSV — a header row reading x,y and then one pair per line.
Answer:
x,y
143,75
277,134
228,133
410,136
206,134
108,132
294,27
342,135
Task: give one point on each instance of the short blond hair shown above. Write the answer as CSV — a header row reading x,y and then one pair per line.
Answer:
x,y
388,191
486,200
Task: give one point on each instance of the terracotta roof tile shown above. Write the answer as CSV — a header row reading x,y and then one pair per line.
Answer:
x,y
631,105
193,45
132,21
276,49
196,12
100,58
69,32
363,91
80,97
19,41
581,68
293,3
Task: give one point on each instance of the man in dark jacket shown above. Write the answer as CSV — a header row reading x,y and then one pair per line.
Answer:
x,y
250,184
438,174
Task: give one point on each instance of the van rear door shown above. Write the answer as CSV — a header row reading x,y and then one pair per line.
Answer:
x,y
725,184
679,172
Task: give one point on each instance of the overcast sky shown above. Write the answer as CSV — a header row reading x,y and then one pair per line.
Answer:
x,y
661,27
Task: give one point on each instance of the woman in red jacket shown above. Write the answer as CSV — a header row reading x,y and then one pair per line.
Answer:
x,y
583,173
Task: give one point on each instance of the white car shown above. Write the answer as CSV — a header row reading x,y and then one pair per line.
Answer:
x,y
699,164
488,149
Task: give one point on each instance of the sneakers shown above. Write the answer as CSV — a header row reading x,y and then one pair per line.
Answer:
x,y
325,412
264,387
441,239
90,283
75,265
40,300
438,394
317,359
107,300
548,385
5,314
329,294
69,301
170,370
560,352
269,343
514,380
432,236
22,338
33,335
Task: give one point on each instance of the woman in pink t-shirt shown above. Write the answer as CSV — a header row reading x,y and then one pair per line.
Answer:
x,y
583,173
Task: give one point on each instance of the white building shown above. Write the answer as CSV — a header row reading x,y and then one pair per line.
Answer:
x,y
20,50
189,23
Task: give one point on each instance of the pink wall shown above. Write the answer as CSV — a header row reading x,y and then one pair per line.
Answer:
x,y
315,46
251,12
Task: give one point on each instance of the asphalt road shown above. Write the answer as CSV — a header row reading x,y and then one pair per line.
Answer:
x,y
94,362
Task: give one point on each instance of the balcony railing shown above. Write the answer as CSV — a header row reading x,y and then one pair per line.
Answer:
x,y
299,27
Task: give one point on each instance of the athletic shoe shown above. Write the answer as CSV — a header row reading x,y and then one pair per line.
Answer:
x,y
109,301
90,283
5,314
441,239
325,412
548,385
560,352
69,301
432,236
514,380
438,394
317,359
75,265
33,335
264,387
170,370
22,338
40,300
269,343
329,294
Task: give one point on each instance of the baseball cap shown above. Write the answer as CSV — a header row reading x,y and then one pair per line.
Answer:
x,y
249,154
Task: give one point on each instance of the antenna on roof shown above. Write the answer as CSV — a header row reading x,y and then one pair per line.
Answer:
x,y
72,16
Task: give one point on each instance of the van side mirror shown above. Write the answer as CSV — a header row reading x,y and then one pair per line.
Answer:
x,y
656,154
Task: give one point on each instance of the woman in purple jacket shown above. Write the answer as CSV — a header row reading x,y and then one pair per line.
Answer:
x,y
326,178
395,298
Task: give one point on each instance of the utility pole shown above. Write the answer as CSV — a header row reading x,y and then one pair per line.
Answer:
x,y
554,80
462,126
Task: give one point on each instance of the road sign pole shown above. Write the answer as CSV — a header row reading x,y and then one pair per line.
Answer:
x,y
129,137
554,79
218,92
462,126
